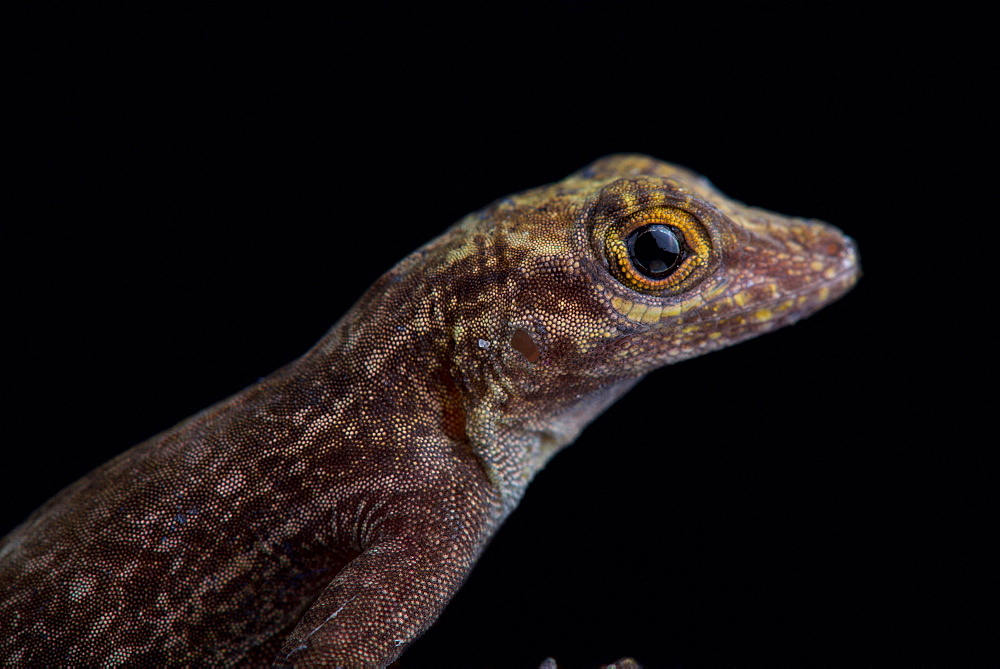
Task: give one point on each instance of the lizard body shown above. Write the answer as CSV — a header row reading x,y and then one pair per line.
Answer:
x,y
326,514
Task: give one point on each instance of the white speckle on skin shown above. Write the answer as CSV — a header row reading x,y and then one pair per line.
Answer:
x,y
80,587
230,484
483,343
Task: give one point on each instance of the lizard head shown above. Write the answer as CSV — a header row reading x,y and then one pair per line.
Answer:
x,y
681,270
543,308
562,292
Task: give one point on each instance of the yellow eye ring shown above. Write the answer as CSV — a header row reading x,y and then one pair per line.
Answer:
x,y
657,250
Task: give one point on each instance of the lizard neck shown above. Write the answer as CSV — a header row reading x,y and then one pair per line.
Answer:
x,y
514,448
411,357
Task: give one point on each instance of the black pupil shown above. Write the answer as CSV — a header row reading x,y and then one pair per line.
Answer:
x,y
655,250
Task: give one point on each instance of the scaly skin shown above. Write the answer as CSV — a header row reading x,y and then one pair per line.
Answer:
x,y
329,512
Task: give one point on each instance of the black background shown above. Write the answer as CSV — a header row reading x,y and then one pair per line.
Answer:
x,y
198,193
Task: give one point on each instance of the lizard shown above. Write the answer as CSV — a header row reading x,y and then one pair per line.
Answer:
x,y
326,514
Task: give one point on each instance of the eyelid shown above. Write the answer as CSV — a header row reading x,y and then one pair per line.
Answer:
x,y
669,216
692,234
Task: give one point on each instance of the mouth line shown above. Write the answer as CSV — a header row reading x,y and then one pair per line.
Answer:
x,y
838,285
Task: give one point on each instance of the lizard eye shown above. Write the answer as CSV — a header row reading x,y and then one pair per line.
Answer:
x,y
659,250
655,250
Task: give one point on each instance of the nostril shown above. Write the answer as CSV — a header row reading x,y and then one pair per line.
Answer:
x,y
848,253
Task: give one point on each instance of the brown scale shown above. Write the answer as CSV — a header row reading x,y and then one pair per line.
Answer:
x,y
329,512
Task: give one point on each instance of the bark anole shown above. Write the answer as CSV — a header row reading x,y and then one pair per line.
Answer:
x,y
327,513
